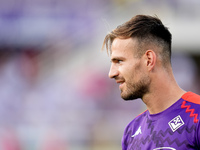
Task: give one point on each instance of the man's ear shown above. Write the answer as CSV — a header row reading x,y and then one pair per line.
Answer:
x,y
150,56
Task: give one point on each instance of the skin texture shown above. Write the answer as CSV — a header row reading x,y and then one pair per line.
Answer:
x,y
143,77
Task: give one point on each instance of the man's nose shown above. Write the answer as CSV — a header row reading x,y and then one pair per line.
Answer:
x,y
113,72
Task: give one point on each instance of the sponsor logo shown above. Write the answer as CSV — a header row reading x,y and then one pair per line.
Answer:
x,y
139,131
165,148
176,123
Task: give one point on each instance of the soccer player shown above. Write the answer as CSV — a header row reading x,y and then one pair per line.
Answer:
x,y
140,51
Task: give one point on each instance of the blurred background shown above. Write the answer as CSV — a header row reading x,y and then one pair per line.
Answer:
x,y
55,93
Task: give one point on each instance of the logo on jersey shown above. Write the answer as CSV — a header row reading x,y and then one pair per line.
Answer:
x,y
139,131
165,148
176,123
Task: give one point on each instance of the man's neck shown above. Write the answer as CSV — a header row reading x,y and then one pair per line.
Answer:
x,y
163,93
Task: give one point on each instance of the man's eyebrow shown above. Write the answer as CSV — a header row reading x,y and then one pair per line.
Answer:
x,y
117,58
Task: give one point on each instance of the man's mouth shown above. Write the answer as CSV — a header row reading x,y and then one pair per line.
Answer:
x,y
121,83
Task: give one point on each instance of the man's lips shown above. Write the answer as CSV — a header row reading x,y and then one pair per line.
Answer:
x,y
120,86
121,82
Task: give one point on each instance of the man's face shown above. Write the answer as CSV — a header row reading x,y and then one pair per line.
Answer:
x,y
128,70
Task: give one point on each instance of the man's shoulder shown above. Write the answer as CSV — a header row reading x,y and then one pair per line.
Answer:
x,y
191,97
137,120
191,106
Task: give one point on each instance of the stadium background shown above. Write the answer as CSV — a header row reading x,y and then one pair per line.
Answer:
x,y
54,89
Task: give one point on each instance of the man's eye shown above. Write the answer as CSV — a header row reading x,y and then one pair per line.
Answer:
x,y
116,61
119,61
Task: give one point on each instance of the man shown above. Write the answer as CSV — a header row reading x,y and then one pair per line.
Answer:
x,y
140,51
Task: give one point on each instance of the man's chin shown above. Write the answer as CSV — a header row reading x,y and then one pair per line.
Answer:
x,y
128,97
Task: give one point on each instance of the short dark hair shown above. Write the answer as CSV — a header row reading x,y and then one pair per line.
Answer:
x,y
147,30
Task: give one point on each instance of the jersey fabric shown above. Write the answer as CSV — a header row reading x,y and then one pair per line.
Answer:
x,y
176,128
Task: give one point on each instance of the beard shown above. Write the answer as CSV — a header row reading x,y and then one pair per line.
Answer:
x,y
136,90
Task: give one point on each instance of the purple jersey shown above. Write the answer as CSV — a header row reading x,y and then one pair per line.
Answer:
x,y
176,128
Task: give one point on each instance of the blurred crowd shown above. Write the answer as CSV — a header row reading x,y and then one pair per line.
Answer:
x,y
55,93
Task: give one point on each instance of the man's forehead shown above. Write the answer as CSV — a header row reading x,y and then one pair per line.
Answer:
x,y
122,46
123,42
